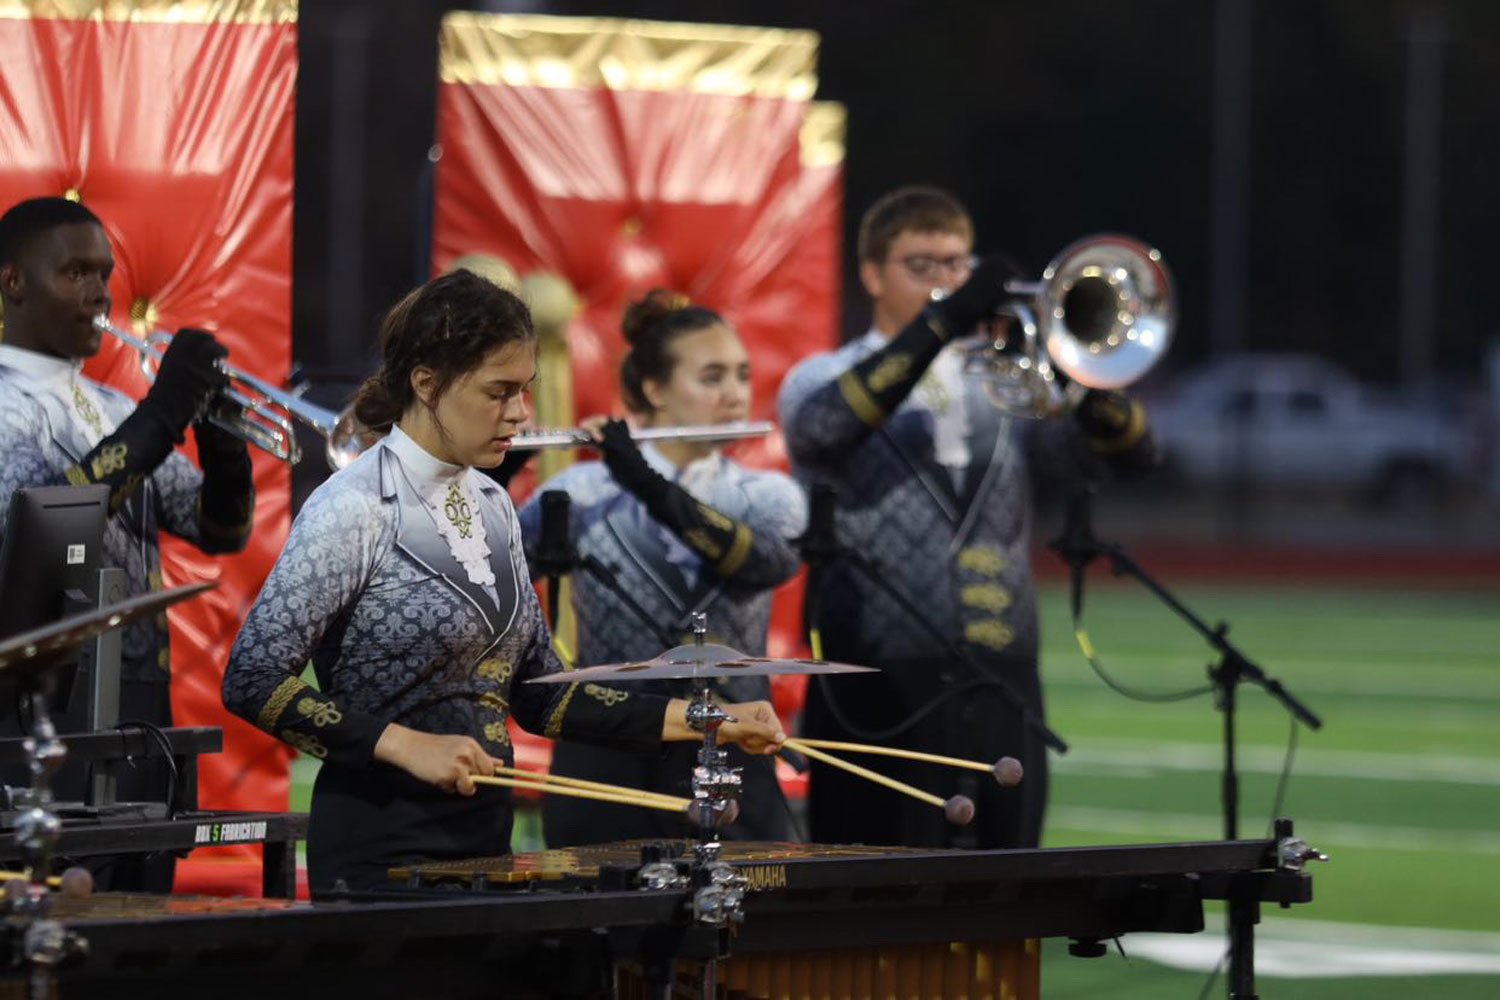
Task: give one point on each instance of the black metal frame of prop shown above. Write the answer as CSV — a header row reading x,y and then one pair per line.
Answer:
x,y
1078,546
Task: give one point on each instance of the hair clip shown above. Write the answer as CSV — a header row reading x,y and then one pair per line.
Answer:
x,y
676,300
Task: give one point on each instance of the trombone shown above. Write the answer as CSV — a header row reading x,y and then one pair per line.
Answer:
x,y
249,407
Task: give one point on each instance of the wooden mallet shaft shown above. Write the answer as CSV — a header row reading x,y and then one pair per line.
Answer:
x,y
919,755
597,786
623,797
900,786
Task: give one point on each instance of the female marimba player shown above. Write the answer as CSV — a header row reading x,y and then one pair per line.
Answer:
x,y
403,581
682,529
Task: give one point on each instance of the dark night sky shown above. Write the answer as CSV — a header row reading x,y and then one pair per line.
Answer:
x,y
1053,120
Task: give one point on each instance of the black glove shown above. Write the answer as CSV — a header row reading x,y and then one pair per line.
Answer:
x,y
875,386
186,380
226,501
627,465
721,540
976,300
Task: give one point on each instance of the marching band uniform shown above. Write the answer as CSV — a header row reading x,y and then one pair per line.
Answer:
x,y
934,486
403,582
672,574
52,419
57,427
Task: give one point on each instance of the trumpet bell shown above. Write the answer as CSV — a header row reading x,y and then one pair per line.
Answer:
x,y
1105,310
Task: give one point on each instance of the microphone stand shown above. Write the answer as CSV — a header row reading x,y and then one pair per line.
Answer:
x,y
1078,546
605,576
817,552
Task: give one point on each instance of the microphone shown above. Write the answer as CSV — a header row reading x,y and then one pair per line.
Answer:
x,y
819,543
554,550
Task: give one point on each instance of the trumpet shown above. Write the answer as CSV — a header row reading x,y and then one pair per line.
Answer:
x,y
249,407
1100,317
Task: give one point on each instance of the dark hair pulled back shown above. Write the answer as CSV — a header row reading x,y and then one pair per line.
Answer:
x,y
448,325
651,325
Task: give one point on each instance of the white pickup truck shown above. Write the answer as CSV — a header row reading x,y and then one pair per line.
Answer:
x,y
1296,420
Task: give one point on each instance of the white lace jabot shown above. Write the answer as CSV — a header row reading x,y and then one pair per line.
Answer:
x,y
452,502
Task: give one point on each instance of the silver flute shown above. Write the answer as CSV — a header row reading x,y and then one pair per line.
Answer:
x,y
577,437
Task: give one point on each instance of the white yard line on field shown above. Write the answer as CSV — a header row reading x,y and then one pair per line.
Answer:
x,y
1314,949
1137,755
1195,826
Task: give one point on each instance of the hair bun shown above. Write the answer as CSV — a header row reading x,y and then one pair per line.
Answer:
x,y
648,309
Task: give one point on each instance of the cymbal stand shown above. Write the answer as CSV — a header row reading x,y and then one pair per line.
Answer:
x,y
44,943
719,891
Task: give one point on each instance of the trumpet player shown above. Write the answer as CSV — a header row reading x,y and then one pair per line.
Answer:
x,y
58,427
934,489
682,528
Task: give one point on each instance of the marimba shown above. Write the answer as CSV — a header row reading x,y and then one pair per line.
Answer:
x,y
818,922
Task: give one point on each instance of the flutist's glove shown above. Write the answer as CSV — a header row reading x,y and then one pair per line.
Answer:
x,y
186,380
722,541
226,501
628,466
975,301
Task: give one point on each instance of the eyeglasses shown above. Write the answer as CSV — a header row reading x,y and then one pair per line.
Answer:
x,y
925,267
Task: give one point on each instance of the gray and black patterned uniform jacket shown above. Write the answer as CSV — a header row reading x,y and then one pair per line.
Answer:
x,y
39,443
369,591
956,546
665,576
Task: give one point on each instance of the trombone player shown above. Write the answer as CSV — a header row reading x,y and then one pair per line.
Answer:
x,y
934,489
58,427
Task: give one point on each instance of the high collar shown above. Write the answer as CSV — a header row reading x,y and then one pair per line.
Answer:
x,y
40,366
424,469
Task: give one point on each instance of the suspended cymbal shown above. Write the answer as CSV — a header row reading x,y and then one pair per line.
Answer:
x,y
30,650
698,662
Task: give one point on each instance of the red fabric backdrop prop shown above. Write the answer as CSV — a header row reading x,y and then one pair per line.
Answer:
x,y
179,137
628,155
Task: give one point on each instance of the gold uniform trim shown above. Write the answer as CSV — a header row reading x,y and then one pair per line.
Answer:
x,y
986,596
820,142
859,399
890,371
155,11
981,559
555,721
608,695
321,712
277,703
532,50
739,551
306,742
991,632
